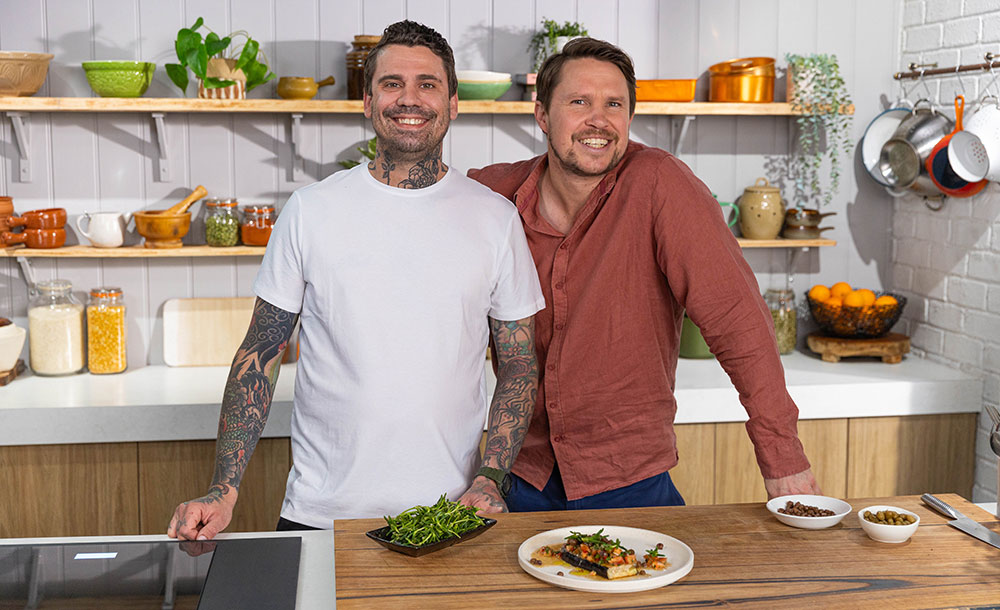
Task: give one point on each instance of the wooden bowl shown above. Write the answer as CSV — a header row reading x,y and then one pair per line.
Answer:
x,y
161,230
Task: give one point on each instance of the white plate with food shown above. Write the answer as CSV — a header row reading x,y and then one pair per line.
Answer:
x,y
601,561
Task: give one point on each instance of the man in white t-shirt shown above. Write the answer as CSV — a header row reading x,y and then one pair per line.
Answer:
x,y
399,272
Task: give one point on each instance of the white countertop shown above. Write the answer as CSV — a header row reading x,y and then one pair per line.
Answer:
x,y
158,403
316,587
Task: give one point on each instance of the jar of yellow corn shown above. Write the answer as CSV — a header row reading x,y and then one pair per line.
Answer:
x,y
106,331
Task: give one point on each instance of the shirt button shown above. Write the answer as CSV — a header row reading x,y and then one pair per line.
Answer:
x,y
559,326
550,367
553,405
559,285
563,247
557,439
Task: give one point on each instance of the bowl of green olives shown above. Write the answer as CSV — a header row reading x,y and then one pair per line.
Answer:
x,y
889,524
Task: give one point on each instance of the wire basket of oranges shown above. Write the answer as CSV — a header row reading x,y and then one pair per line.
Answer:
x,y
845,312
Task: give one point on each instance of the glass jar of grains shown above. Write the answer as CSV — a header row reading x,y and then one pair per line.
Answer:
x,y
222,228
55,329
782,305
106,331
257,223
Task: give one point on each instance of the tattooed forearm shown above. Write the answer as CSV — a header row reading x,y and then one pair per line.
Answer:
x,y
249,389
516,390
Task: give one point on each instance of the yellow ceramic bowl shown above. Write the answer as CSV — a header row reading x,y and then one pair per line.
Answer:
x,y
22,73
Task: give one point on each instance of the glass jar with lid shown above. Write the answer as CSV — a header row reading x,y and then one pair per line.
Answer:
x,y
222,228
55,329
106,331
781,302
257,223
355,60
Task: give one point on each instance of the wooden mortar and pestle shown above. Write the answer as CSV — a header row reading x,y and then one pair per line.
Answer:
x,y
166,228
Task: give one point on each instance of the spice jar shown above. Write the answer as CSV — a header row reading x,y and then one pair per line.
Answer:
x,y
257,223
782,306
55,329
222,228
355,61
106,331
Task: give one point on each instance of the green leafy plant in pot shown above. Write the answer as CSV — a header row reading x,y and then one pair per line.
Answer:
x,y
550,39
818,93
224,68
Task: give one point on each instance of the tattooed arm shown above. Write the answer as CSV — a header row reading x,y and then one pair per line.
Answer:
x,y
245,406
510,413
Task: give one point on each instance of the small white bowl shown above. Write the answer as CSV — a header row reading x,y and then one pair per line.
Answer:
x,y
893,534
482,76
839,507
11,343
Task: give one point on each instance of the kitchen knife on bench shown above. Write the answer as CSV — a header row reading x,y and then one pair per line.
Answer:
x,y
962,522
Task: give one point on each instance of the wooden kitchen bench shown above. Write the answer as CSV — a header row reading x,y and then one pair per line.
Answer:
x,y
743,557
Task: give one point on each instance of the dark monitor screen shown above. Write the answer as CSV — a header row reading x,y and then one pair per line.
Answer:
x,y
234,573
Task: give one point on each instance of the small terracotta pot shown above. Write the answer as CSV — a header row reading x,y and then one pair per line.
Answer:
x,y
36,238
48,218
300,87
6,209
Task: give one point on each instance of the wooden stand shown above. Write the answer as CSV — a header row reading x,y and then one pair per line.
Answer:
x,y
8,376
890,347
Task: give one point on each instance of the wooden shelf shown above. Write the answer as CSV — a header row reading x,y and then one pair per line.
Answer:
x,y
785,243
178,104
131,252
209,251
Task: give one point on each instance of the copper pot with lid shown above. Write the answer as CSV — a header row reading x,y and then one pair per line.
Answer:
x,y
749,79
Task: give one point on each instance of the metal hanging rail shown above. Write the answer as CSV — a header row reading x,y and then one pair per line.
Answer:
x,y
920,70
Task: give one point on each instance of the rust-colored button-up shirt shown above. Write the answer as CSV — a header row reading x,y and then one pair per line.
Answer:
x,y
649,243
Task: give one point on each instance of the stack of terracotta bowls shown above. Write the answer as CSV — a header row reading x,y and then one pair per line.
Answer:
x,y
42,228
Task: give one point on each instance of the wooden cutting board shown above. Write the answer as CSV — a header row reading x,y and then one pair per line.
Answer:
x,y
204,332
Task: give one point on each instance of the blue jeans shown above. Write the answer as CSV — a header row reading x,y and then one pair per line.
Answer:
x,y
657,490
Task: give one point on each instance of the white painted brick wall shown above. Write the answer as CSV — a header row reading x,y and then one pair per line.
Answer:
x,y
947,262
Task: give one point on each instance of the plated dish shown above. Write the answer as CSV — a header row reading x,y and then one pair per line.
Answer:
x,y
424,529
542,556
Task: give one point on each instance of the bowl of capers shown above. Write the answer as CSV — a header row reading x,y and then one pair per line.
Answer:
x,y
888,523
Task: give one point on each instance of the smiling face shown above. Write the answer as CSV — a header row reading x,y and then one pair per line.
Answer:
x,y
587,119
409,105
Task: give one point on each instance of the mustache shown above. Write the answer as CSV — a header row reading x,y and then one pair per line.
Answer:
x,y
417,111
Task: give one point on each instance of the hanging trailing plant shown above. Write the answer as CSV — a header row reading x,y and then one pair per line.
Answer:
x,y
819,94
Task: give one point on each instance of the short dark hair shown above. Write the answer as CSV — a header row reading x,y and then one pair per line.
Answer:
x,y
578,48
412,34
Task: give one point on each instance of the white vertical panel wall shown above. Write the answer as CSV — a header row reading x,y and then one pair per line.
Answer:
x,y
87,162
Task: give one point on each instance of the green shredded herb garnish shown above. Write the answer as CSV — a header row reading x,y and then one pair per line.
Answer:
x,y
423,525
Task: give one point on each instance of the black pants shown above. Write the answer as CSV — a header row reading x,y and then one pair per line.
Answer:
x,y
284,525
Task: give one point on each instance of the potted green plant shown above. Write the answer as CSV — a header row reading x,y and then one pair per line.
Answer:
x,y
551,39
224,68
818,93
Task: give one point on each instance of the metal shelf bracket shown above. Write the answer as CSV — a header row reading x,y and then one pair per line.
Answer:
x,y
22,135
792,256
298,164
679,127
163,157
29,273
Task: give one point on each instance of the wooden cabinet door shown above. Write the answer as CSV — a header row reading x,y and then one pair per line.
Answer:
x,y
695,470
68,490
172,472
889,456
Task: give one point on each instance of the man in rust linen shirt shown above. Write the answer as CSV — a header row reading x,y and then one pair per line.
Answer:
x,y
625,238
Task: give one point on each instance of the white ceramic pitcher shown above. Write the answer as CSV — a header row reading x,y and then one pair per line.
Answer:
x,y
104,230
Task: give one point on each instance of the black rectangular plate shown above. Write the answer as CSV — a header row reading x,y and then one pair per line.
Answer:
x,y
381,536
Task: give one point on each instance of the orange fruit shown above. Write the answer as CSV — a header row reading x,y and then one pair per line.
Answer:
x,y
840,289
819,292
835,302
867,295
854,299
886,301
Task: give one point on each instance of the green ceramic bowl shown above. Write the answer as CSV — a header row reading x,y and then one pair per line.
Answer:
x,y
482,85
119,78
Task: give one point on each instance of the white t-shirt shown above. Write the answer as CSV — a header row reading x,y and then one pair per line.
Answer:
x,y
393,288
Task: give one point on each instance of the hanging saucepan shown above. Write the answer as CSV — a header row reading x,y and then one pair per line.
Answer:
x,y
876,135
939,168
903,157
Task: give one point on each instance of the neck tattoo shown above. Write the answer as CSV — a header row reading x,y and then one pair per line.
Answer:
x,y
421,174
